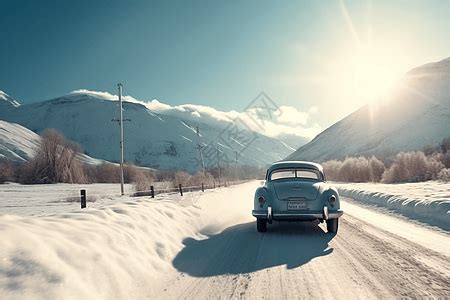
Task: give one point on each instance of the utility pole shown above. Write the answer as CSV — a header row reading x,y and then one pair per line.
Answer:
x,y
236,166
121,120
200,150
218,163
119,85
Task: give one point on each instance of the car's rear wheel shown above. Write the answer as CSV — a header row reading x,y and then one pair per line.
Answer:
x,y
332,225
261,225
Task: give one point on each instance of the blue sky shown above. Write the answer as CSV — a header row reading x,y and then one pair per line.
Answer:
x,y
303,54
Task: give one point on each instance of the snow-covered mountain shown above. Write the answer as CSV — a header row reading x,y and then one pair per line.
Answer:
x,y
6,100
159,138
20,144
414,115
16,142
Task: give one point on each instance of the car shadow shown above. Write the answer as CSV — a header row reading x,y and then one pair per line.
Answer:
x,y
240,249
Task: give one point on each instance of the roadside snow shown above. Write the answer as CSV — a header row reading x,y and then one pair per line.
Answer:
x,y
49,199
112,249
427,237
424,201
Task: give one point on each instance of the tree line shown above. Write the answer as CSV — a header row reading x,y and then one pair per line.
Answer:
x,y
433,163
59,160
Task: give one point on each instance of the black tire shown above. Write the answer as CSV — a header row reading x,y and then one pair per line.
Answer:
x,y
332,225
261,225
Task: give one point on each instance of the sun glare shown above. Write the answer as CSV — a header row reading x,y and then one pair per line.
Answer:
x,y
372,82
374,71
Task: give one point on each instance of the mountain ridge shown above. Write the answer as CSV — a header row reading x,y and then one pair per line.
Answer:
x,y
19,144
414,115
5,99
152,139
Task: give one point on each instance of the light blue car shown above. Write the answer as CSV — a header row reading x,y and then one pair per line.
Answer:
x,y
296,191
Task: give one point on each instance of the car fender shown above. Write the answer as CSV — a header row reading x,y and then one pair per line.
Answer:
x,y
328,191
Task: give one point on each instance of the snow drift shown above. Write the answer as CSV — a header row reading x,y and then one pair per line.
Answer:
x,y
113,250
424,201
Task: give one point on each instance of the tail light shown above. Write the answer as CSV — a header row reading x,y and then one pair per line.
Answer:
x,y
332,199
261,201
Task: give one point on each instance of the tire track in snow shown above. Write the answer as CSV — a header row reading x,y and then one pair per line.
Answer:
x,y
395,263
301,261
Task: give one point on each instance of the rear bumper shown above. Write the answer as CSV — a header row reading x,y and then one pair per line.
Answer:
x,y
296,216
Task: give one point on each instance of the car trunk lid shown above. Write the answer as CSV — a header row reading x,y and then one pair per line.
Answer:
x,y
286,189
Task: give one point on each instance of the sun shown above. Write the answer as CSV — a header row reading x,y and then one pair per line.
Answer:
x,y
373,58
371,81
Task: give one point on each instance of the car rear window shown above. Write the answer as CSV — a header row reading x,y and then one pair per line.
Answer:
x,y
282,174
294,173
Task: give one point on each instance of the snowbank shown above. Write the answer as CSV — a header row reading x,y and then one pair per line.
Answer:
x,y
424,201
112,249
50,199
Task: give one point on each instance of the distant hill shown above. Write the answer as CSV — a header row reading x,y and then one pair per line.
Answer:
x,y
20,144
7,101
153,139
16,142
416,114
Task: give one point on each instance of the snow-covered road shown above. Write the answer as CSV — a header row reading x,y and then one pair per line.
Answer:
x,y
206,246
365,260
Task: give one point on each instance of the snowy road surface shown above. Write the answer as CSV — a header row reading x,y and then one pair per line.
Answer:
x,y
373,256
205,245
294,260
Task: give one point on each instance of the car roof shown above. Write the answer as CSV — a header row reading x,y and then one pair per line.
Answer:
x,y
295,164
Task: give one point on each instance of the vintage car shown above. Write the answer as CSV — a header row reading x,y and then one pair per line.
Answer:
x,y
296,191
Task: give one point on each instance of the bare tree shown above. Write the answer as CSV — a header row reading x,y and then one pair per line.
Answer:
x,y
7,171
377,168
445,145
331,169
182,178
55,161
354,169
412,167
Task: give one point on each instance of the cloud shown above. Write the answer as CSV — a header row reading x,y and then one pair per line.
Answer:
x,y
294,123
287,120
313,110
155,105
106,96
193,109
291,116
196,113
